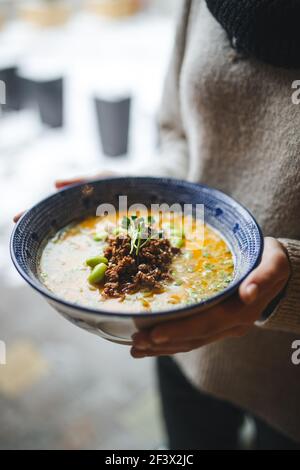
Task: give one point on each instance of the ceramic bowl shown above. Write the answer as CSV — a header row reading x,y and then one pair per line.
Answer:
x,y
222,213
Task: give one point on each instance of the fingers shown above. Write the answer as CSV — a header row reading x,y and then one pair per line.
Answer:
x,y
232,318
18,216
201,325
273,270
59,184
167,350
182,346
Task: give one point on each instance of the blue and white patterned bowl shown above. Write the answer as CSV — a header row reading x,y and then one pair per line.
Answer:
x,y
222,213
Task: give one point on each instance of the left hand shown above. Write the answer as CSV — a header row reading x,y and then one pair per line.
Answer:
x,y
232,318
60,184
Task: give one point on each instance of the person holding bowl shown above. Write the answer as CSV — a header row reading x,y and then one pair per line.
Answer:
x,y
228,120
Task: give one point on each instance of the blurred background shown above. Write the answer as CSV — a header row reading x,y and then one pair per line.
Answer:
x,y
83,85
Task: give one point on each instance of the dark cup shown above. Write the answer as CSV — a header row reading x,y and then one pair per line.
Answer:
x,y
13,89
27,93
49,96
113,118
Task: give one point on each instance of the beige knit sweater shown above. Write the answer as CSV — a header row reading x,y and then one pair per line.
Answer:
x,y
230,123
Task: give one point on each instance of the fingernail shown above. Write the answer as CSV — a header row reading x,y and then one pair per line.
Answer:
x,y
142,345
137,354
159,338
252,293
17,217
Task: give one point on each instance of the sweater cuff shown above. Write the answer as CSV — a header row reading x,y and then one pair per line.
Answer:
x,y
286,316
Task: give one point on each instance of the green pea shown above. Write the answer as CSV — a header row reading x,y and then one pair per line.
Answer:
x,y
177,242
100,237
98,273
92,262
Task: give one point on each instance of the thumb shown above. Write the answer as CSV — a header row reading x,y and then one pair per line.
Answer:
x,y
274,267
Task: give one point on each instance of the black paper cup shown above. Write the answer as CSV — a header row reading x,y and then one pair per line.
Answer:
x,y
49,96
113,118
27,93
12,89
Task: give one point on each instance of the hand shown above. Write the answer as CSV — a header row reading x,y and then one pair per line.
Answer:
x,y
60,184
230,319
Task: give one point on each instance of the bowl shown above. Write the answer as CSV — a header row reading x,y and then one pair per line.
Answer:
x,y
235,223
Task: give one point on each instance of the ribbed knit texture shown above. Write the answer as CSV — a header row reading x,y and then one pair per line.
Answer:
x,y
231,123
267,29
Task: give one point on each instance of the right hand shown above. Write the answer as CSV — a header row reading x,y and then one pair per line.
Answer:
x,y
60,184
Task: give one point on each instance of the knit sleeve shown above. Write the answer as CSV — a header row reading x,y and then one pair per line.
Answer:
x,y
172,158
286,316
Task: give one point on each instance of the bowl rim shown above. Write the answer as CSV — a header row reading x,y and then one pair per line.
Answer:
x,y
211,301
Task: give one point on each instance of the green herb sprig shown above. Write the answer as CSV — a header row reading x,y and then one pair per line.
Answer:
x,y
140,231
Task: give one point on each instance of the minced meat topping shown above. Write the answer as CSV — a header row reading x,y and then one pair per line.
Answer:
x,y
130,271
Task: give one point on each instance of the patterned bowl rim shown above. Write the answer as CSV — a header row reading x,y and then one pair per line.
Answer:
x,y
38,286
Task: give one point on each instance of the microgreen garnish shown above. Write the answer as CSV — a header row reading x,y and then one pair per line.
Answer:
x,y
140,231
150,220
126,222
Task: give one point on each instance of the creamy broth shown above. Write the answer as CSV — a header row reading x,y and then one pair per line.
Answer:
x,y
203,268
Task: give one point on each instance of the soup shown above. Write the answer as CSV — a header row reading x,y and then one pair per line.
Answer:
x,y
142,264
